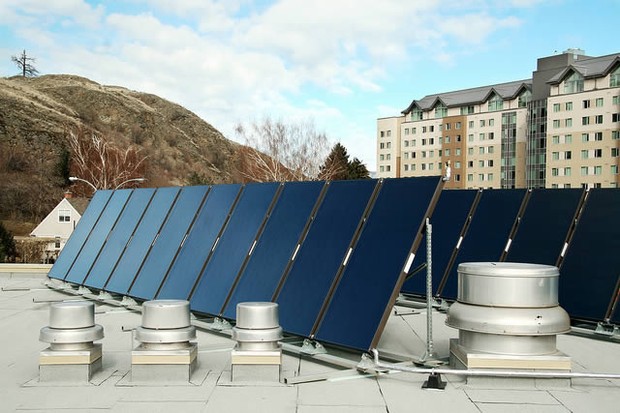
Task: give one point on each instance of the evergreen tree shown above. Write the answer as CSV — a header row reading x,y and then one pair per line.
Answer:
x,y
7,245
357,170
336,165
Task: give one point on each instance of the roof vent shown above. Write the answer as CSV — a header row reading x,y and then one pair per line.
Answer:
x,y
508,317
72,355
257,355
165,352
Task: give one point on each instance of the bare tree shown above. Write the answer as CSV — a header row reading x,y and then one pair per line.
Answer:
x,y
277,151
101,162
25,64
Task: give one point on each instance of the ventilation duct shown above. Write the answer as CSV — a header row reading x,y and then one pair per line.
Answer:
x,y
72,354
508,316
257,355
165,352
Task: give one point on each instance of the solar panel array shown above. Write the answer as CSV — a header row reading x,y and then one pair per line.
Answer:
x,y
319,249
335,255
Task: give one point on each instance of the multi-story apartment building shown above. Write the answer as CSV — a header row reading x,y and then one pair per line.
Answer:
x,y
559,129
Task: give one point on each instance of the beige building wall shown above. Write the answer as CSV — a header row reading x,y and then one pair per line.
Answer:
x,y
388,147
584,136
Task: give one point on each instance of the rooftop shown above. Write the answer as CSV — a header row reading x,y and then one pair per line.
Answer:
x,y
318,386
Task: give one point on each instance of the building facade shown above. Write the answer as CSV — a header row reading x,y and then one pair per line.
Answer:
x,y
557,130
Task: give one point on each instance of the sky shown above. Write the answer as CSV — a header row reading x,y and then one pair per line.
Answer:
x,y
340,64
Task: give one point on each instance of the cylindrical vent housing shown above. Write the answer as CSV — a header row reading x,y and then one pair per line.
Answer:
x,y
258,326
72,326
508,308
165,322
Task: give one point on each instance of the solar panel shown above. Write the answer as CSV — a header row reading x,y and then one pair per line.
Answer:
x,y
119,236
98,236
373,276
75,243
195,251
448,219
276,245
591,266
486,235
168,242
321,253
230,252
141,241
544,226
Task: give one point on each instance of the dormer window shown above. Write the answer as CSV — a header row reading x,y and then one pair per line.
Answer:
x,y
416,114
573,83
495,103
524,98
441,110
614,78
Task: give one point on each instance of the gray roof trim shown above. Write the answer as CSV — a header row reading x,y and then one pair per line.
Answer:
x,y
588,68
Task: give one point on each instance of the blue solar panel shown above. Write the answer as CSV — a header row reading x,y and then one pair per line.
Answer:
x,y
98,236
487,234
168,242
276,244
615,312
120,235
321,254
139,245
362,301
75,243
590,269
221,271
448,219
195,251
544,226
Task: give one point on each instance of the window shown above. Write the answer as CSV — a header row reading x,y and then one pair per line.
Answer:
x,y
414,130
491,122
584,154
446,139
423,142
388,168
555,139
573,83
568,122
598,136
614,77
457,177
554,172
614,152
457,165
615,117
431,128
382,134
555,156
389,133
598,170
586,103
424,167
599,102
495,103
489,177
491,135
470,151
585,120
457,151
448,126
614,169
441,110
568,155
556,123
416,114
382,145
406,167
470,164
406,155
598,119
406,143
556,107
431,141
430,166
388,145
598,153
446,152
423,129
458,138
568,139
57,243
615,135
406,131
481,150
457,125
388,157
481,177
482,123
413,142
524,98
585,137
481,164
471,124
382,168
382,157
615,100
481,136
567,171
467,110
470,137
470,177
584,170
64,215
431,154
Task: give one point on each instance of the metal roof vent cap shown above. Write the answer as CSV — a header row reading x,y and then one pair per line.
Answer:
x,y
508,316
165,352
257,355
72,354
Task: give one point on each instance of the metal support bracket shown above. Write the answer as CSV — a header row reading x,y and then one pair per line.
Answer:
x,y
128,301
434,382
83,291
608,329
312,347
220,324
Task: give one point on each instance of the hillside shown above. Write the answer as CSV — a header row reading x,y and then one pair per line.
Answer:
x,y
37,113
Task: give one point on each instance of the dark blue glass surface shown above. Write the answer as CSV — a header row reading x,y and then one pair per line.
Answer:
x,y
220,272
99,234
141,241
544,226
276,244
373,276
77,239
589,273
448,219
321,254
120,235
165,247
195,251
488,232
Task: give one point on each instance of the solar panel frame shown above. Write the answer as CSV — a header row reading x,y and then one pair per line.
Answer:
x,y
119,237
80,234
166,246
594,240
480,244
230,253
380,257
306,283
138,247
98,236
198,247
268,261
